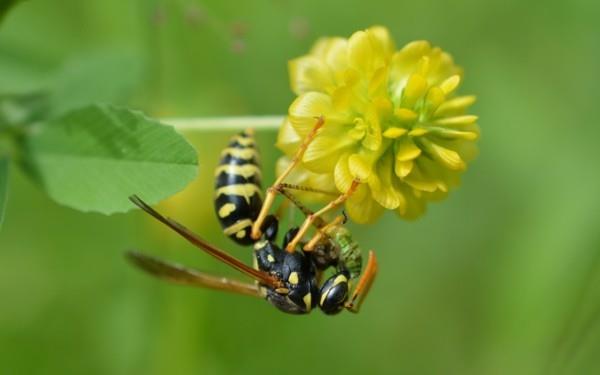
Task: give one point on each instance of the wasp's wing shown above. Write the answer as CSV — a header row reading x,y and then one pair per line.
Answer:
x,y
187,276
262,277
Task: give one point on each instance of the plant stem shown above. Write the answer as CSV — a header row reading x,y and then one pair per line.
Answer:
x,y
225,123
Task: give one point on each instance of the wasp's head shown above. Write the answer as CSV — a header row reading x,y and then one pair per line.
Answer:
x,y
334,293
299,293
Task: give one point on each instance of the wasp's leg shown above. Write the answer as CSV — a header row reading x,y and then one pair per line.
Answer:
x,y
364,285
305,210
324,231
284,189
273,190
311,218
323,228
305,188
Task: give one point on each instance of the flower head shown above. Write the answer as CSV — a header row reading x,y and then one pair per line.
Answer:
x,y
392,121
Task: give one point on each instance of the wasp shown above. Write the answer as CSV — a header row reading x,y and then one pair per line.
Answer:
x,y
288,276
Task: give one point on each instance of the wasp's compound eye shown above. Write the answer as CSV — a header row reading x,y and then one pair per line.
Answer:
x,y
334,293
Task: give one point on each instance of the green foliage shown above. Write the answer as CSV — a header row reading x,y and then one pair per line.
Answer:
x,y
3,186
5,5
90,157
93,158
98,76
501,278
22,109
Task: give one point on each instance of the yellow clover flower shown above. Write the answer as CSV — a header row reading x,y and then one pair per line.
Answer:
x,y
392,121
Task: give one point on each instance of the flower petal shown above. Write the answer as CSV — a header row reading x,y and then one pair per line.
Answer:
x,y
405,61
308,73
381,39
450,84
287,138
403,168
418,131
449,158
369,50
382,186
419,179
360,167
415,88
359,51
448,133
342,176
337,57
405,115
406,149
455,106
323,152
307,107
378,84
457,121
411,53
372,140
334,53
435,97
467,150
394,132
361,207
322,46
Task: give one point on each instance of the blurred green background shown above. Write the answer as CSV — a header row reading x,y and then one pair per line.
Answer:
x,y
502,277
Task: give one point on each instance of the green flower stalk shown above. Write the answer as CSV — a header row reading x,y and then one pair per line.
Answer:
x,y
393,122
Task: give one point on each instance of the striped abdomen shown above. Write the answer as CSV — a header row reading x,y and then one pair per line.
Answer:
x,y
238,194
350,252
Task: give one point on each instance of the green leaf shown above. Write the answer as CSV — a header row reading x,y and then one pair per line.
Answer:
x,y
3,186
22,109
94,158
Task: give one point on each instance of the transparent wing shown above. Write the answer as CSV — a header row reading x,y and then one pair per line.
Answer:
x,y
187,276
263,277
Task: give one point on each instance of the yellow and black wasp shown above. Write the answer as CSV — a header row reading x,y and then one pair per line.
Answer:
x,y
287,276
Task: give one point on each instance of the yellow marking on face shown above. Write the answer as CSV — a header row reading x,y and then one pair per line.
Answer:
x,y
308,301
282,290
241,153
259,244
241,233
226,209
270,258
293,279
238,226
244,170
244,141
244,190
